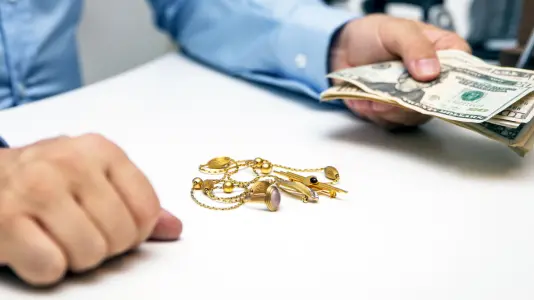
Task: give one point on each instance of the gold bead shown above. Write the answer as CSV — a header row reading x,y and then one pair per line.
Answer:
x,y
331,173
266,168
197,183
228,187
258,161
208,185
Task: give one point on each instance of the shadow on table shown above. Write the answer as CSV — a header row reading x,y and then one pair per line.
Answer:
x,y
118,264
469,156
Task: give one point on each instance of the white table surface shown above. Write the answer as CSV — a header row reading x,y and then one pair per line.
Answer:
x,y
439,213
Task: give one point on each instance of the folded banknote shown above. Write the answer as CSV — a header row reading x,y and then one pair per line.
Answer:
x,y
497,102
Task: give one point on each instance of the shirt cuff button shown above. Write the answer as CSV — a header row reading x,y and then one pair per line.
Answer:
x,y
301,61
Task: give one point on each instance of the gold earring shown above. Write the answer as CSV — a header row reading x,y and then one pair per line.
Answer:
x,y
266,193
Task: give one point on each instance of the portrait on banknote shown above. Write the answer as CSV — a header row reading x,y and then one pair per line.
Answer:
x,y
405,87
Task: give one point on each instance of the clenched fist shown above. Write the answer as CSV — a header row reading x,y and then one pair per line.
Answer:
x,y
67,204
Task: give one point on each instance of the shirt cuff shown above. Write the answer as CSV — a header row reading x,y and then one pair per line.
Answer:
x,y
304,40
3,143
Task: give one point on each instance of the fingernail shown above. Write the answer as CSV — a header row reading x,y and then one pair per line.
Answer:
x,y
350,104
361,106
353,104
427,67
381,107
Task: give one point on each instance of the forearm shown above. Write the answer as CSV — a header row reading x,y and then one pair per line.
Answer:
x,y
280,42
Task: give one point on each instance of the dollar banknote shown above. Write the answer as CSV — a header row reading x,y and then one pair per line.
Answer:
x,y
461,92
519,112
494,101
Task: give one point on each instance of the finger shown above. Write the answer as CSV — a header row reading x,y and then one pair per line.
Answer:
x,y
80,240
451,41
444,39
110,214
399,116
386,115
137,193
360,107
368,108
405,38
364,110
31,253
168,227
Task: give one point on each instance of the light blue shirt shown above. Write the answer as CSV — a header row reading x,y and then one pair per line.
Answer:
x,y
279,42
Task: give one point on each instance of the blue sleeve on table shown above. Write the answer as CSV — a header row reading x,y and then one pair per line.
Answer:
x,y
3,143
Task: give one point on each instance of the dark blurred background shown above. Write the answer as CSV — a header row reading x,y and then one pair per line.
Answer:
x,y
497,30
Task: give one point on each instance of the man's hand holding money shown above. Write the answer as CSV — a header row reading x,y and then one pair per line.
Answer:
x,y
379,38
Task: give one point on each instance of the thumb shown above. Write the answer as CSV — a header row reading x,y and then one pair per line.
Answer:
x,y
406,39
168,227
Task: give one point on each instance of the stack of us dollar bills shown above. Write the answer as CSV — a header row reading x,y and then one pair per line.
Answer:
x,y
497,102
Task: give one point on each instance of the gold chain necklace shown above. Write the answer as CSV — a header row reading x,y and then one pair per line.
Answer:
x,y
265,187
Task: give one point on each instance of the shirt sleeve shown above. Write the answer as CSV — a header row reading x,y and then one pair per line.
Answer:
x,y
3,143
284,43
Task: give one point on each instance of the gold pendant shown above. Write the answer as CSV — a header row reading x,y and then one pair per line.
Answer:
x,y
299,190
219,162
313,183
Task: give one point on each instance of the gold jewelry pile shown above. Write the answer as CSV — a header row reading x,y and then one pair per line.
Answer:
x,y
265,187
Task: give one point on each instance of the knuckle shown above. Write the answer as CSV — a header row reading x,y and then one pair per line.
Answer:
x,y
451,37
379,17
42,168
408,23
95,142
94,138
40,180
62,137
30,154
70,161
454,40
398,24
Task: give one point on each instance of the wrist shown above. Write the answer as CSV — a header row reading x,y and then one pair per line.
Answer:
x,y
337,52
